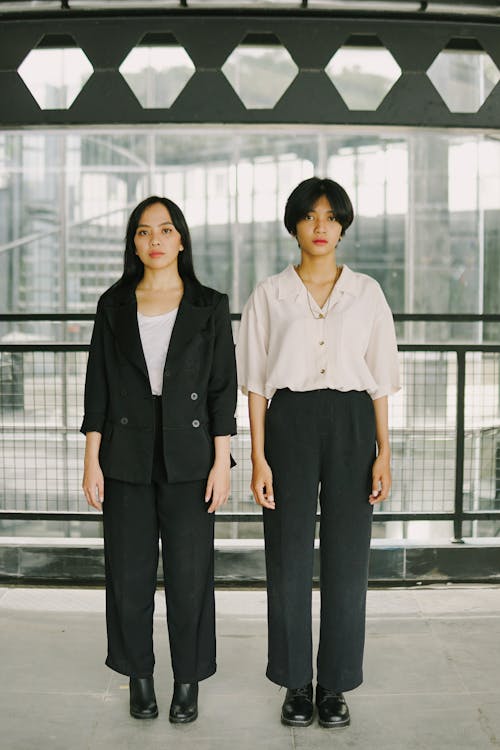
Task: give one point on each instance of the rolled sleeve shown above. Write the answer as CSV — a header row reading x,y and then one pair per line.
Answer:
x,y
382,352
96,386
253,345
222,388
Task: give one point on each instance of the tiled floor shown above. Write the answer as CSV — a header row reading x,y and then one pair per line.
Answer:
x,y
432,677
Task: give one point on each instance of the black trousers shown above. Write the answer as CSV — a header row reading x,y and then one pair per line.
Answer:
x,y
324,440
135,516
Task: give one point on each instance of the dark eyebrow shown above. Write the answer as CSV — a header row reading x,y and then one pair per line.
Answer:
x,y
163,223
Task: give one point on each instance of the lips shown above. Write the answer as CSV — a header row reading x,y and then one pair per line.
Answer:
x,y
155,255
320,242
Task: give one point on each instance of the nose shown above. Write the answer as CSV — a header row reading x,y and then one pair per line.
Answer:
x,y
155,241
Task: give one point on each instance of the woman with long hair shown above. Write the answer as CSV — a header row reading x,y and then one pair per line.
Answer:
x,y
160,398
317,341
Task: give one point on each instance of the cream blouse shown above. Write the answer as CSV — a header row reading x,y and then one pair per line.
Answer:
x,y
281,344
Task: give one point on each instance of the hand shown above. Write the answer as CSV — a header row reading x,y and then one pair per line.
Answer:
x,y
262,484
93,484
218,485
381,480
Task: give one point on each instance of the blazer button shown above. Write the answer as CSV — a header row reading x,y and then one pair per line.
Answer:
x,y
123,392
195,422
194,396
167,373
124,420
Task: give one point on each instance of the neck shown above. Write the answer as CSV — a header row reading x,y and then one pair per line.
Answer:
x,y
162,279
318,270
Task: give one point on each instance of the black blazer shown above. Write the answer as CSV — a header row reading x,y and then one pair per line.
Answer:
x,y
199,387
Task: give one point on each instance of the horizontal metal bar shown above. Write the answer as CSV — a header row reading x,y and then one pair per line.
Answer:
x,y
378,517
398,317
80,347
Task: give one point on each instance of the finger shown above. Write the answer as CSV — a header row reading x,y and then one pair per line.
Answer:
x,y
259,492
268,501
100,490
270,493
216,502
376,488
380,494
209,490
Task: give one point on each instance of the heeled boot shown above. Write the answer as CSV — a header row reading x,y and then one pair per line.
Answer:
x,y
184,706
143,698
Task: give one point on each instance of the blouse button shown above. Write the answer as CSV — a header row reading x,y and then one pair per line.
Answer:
x,y
321,343
195,422
124,420
194,396
322,372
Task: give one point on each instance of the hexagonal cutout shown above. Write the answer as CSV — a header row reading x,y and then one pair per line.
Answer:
x,y
463,75
260,70
363,71
55,71
157,70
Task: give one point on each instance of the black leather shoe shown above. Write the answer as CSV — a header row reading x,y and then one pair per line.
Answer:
x,y
142,698
332,708
298,709
184,706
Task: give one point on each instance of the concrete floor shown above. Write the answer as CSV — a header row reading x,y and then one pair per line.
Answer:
x,y
432,677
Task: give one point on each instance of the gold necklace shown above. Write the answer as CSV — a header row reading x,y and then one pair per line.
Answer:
x,y
321,315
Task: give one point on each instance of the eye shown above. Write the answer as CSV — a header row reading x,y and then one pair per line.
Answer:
x,y
166,230
142,232
308,217
332,218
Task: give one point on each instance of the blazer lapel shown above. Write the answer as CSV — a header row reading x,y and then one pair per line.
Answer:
x,y
124,324
190,319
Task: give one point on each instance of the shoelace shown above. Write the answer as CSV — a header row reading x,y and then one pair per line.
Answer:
x,y
327,693
303,691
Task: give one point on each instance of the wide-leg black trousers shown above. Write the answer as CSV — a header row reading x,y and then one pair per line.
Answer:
x,y
318,440
135,516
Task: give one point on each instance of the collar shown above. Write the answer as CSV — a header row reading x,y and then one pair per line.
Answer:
x,y
290,284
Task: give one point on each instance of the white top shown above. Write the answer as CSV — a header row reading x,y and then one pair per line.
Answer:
x,y
281,345
156,331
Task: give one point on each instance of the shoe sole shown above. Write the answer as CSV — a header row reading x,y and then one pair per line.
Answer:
x,y
174,720
334,724
144,716
297,723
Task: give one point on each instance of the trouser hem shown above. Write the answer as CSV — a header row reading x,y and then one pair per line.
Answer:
x,y
283,681
340,687
203,674
125,671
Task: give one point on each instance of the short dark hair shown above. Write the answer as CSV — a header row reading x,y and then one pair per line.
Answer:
x,y
302,199
133,267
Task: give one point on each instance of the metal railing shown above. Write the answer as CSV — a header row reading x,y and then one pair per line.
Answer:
x,y
445,425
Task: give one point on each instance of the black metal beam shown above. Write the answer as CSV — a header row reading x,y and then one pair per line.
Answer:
x,y
209,39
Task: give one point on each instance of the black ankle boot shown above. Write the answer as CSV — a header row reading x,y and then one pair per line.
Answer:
x,y
142,698
298,709
184,706
332,708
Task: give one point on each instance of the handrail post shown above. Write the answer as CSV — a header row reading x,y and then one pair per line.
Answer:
x,y
460,449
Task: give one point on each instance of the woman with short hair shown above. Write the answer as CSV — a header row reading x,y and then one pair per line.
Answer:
x,y
317,356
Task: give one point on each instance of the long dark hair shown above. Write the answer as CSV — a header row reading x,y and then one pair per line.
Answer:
x,y
133,267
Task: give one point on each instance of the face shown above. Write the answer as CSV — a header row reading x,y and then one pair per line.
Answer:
x,y
318,232
157,241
